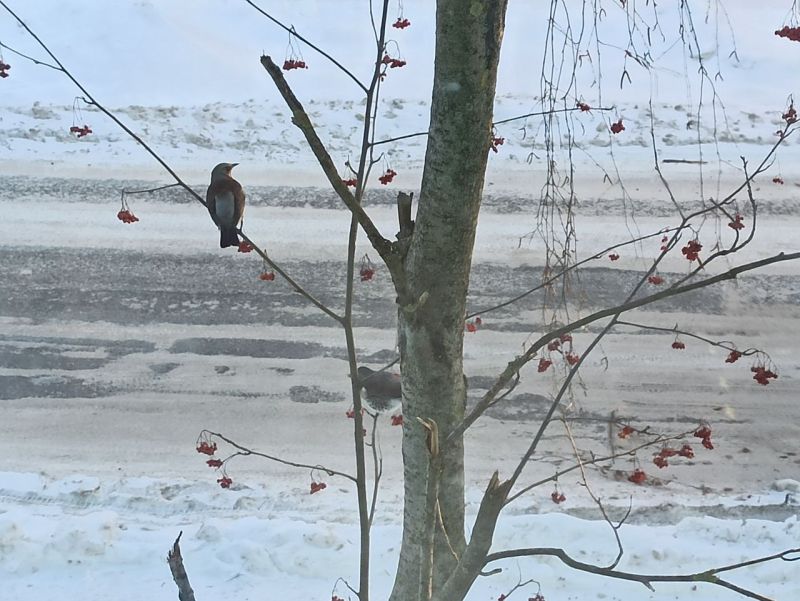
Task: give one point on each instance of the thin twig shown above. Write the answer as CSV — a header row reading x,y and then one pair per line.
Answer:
x,y
245,451
30,58
293,32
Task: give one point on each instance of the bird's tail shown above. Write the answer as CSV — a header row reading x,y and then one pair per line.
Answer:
x,y
228,237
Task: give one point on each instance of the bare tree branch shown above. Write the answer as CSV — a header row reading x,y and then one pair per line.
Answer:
x,y
709,576
244,451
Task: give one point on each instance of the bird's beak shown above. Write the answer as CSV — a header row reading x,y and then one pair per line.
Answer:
x,y
233,165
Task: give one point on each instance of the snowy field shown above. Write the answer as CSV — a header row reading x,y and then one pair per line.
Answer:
x,y
119,343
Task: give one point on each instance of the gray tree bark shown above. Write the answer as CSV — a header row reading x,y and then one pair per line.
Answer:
x,y
437,266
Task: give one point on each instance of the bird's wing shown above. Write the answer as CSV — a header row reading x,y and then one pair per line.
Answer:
x,y
238,213
211,204
225,207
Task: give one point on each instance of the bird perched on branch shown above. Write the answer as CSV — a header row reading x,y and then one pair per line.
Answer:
x,y
382,389
225,202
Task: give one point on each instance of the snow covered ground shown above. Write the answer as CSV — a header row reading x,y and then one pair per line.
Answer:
x,y
118,344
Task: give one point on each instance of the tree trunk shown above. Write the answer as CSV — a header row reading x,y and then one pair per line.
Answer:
x,y
431,333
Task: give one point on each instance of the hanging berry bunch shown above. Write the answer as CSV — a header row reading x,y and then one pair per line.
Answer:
x,y
367,269
557,496
80,131
473,325
763,372
4,67
790,33
294,58
125,215
390,60
617,127
401,22
692,250
387,176
495,141
393,63
790,116
736,224
266,275
316,485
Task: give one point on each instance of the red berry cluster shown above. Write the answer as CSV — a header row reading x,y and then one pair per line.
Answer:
x,y
557,497
387,177
613,257
737,224
656,280
664,243
245,247
678,345
536,597
733,356
472,326
291,63
225,482
790,116
778,180
617,127
352,182
638,476
317,486
214,463
267,276
583,106
125,216
626,431
393,63
495,142
367,269
335,598
790,33
401,23
558,344
704,433
762,375
4,67
80,132
206,448
397,420
692,250
660,458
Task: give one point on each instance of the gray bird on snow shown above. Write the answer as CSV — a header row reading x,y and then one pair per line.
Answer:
x,y
382,389
225,202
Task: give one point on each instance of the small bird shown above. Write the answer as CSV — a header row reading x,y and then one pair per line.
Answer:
x,y
225,202
382,388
